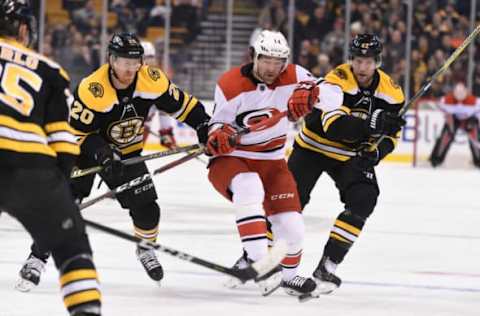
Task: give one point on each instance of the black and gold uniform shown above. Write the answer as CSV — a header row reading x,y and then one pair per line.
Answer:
x,y
37,151
335,138
103,115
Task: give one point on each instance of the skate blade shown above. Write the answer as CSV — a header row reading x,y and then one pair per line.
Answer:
x,y
308,296
233,283
324,287
23,285
271,284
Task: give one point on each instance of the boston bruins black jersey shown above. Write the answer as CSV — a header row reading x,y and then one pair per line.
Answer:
x,y
337,129
34,109
118,116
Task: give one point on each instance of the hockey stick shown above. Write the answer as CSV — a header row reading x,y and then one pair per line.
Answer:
x,y
439,72
196,158
257,269
83,172
139,180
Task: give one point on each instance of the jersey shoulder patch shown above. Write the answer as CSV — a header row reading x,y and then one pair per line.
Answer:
x,y
342,76
96,92
389,90
151,83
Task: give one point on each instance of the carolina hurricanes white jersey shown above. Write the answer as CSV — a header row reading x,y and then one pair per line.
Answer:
x,y
240,100
460,109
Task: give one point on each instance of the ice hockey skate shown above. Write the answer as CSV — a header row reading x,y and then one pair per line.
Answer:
x,y
30,273
303,288
327,281
267,283
149,261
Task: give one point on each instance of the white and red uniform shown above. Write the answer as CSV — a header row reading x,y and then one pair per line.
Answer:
x,y
459,114
255,176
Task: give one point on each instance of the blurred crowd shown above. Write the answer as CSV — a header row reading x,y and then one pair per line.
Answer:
x,y
439,26
76,44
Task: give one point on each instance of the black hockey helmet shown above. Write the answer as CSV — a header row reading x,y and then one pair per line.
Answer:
x,y
366,45
16,12
125,45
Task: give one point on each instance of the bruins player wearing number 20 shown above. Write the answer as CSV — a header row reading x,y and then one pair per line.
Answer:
x,y
108,113
363,104
37,152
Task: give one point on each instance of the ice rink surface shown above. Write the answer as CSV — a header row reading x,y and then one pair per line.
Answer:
x,y
419,253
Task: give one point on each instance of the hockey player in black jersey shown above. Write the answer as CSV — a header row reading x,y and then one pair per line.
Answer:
x,y
363,104
37,153
108,114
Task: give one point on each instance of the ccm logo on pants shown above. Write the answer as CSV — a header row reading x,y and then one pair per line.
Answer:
x,y
282,196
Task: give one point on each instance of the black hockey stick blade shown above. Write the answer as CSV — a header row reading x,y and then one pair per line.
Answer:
x,y
259,268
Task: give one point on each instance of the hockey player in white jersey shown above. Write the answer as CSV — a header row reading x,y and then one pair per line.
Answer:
x,y
251,170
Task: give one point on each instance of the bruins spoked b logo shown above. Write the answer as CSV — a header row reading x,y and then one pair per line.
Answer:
x,y
96,89
125,132
154,73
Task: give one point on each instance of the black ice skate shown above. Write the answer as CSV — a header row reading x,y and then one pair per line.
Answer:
x,y
87,310
327,281
301,287
30,273
242,263
149,260
267,283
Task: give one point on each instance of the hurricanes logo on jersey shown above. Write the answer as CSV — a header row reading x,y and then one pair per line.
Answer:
x,y
96,89
124,132
249,118
154,73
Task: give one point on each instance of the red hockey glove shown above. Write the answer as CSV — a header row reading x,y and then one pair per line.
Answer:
x,y
222,140
302,100
167,138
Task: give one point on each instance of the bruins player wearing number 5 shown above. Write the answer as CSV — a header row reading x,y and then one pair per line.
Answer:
x,y
37,153
109,111
363,104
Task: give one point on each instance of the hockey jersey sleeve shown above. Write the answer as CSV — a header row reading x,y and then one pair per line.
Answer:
x,y
86,124
60,134
177,103
337,122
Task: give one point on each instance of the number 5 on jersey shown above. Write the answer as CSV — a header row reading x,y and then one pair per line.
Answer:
x,y
14,95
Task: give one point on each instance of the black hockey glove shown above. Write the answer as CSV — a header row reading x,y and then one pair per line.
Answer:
x,y
202,132
367,158
109,158
382,122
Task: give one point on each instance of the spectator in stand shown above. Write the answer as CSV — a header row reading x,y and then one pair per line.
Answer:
x,y
274,13
86,18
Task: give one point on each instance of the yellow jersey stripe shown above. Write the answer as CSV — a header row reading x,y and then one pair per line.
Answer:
x,y
193,102
78,275
338,237
63,147
26,147
145,231
132,148
24,127
59,126
349,228
82,297
301,143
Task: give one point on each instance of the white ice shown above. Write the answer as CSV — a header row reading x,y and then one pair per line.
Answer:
x,y
419,253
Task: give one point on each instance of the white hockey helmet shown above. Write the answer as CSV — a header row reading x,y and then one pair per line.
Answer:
x,y
271,44
148,48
